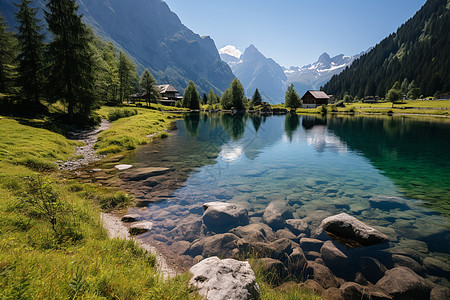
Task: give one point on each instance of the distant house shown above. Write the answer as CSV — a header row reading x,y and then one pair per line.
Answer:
x,y
169,94
443,96
313,99
167,91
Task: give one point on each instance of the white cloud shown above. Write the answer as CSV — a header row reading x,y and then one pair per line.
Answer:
x,y
231,50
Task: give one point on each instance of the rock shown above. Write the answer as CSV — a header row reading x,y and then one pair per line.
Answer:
x,y
313,286
223,245
308,244
436,266
143,173
372,269
406,252
405,261
216,279
297,263
403,284
131,218
254,233
140,227
360,279
188,230
347,227
273,270
323,275
312,255
332,256
388,202
352,290
168,224
440,293
180,247
333,293
297,226
220,216
123,167
276,214
286,234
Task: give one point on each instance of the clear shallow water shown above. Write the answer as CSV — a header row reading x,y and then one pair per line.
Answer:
x,y
321,166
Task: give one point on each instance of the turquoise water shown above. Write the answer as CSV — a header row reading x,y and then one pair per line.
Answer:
x,y
321,166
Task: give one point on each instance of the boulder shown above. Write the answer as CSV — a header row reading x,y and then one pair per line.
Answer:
x,y
189,230
309,244
352,290
332,293
216,279
254,233
323,275
131,218
273,270
403,284
223,245
297,263
372,269
332,256
220,216
350,229
286,234
388,202
439,293
297,226
140,227
405,261
276,214
312,286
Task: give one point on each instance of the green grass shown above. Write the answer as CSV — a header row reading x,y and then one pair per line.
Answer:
x,y
130,132
406,103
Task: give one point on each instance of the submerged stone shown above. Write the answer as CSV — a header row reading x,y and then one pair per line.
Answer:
x,y
140,227
388,202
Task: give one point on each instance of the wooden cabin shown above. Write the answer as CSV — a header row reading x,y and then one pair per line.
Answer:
x,y
169,95
313,99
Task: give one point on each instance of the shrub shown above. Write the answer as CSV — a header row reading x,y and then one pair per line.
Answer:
x,y
119,113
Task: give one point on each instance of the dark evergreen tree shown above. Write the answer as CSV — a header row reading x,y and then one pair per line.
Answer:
x,y
148,83
256,98
8,55
212,98
204,99
31,51
292,99
127,76
191,97
417,51
71,64
226,101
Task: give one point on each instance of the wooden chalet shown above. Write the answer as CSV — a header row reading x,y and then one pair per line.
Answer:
x,y
313,99
169,94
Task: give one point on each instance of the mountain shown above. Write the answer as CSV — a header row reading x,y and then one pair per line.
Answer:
x,y
313,76
155,37
255,71
418,51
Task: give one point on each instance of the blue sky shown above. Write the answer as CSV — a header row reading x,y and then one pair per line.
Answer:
x,y
296,32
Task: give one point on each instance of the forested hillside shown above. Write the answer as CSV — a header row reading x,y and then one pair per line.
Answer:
x,y
418,51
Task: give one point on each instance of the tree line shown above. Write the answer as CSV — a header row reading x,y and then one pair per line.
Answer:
x,y
74,67
417,51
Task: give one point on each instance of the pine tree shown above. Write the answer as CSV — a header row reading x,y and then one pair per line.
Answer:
x,y
204,99
256,99
71,70
226,101
148,82
238,95
31,51
191,97
127,76
8,55
212,99
292,99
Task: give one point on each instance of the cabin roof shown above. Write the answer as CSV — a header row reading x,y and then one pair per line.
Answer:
x,y
167,88
317,94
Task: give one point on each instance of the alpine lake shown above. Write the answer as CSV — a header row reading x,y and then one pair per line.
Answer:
x,y
319,166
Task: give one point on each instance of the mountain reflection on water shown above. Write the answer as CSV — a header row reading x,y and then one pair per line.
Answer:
x,y
326,166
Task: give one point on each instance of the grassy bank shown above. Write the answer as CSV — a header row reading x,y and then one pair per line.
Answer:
x,y
129,132
52,243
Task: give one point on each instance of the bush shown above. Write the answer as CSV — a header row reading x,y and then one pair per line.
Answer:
x,y
119,113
